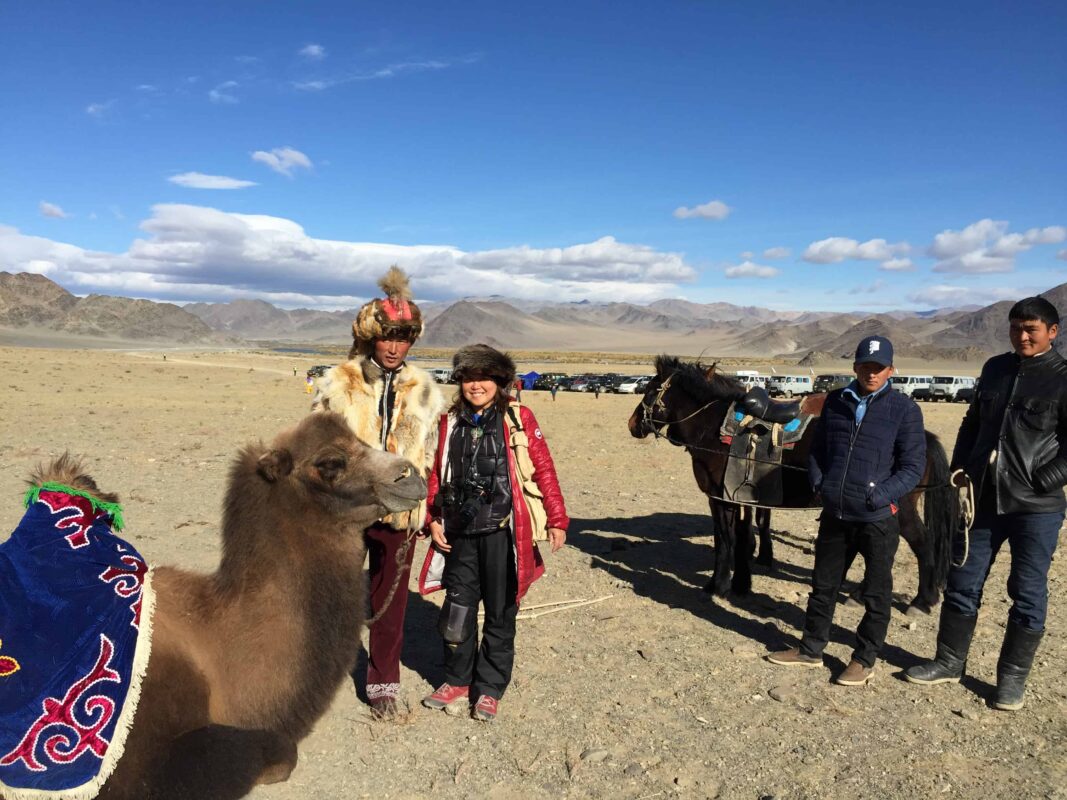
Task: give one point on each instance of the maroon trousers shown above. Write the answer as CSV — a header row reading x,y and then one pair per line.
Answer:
x,y
387,634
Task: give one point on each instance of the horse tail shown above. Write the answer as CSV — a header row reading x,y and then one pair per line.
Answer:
x,y
940,511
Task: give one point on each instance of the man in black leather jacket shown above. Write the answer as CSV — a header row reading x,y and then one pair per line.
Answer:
x,y
1012,445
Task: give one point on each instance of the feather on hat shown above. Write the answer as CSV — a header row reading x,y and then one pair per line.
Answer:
x,y
395,315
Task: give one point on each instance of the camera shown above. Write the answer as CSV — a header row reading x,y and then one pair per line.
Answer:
x,y
468,496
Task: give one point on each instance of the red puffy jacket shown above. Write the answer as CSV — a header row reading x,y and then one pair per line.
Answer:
x,y
528,563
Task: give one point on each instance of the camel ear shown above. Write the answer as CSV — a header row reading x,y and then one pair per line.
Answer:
x,y
275,464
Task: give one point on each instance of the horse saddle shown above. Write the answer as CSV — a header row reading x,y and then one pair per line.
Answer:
x,y
757,403
754,467
75,611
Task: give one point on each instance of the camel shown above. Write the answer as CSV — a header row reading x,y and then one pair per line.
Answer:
x,y
246,659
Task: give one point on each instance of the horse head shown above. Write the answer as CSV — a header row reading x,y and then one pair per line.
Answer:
x,y
680,391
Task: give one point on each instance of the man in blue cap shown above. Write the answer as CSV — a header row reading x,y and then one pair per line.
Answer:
x,y
869,451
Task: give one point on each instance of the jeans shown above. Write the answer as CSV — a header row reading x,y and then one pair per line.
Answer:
x,y
835,549
1032,539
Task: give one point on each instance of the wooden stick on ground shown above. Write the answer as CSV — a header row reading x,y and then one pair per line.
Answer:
x,y
537,614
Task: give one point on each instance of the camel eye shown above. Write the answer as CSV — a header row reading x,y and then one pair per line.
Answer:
x,y
330,467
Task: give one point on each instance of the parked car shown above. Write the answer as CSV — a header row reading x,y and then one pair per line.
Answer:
x,y
909,384
789,385
584,384
965,394
829,382
634,385
611,381
566,381
943,387
546,380
440,374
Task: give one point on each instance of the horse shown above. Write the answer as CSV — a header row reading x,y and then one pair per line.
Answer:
x,y
245,660
687,402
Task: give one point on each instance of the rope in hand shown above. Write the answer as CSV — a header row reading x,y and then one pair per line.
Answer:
x,y
401,563
966,500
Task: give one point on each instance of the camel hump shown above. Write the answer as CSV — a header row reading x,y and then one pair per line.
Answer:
x,y
67,470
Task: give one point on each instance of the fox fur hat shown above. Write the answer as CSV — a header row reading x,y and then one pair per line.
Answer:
x,y
394,315
481,359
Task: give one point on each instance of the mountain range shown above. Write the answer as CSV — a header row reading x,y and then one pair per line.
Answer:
x,y
33,302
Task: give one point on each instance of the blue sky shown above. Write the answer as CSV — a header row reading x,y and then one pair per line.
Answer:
x,y
800,156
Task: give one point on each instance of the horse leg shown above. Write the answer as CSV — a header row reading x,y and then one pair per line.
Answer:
x,y
218,762
724,516
766,549
744,547
913,531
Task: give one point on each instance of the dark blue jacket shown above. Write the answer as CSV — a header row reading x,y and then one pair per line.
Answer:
x,y
861,469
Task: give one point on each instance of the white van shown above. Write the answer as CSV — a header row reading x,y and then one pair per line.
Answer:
x,y
907,384
749,377
944,387
789,385
440,374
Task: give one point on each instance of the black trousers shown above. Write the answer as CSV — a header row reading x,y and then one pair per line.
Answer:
x,y
835,550
482,569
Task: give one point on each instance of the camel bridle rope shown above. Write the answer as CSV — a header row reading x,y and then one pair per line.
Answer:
x,y
401,563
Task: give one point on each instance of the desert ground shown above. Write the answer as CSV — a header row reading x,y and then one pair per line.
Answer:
x,y
654,692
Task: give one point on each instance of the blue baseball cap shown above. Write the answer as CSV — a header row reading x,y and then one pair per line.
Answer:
x,y
877,349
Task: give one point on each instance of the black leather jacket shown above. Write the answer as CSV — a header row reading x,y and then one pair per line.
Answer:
x,y
1019,412
478,476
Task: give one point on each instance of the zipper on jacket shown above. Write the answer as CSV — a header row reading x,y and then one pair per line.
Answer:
x,y
848,456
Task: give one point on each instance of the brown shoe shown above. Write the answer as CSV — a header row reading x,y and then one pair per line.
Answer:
x,y
855,674
794,658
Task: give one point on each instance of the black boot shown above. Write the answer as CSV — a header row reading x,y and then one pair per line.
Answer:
x,y
953,641
1016,657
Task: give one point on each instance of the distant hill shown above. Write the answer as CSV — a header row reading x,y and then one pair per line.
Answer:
x,y
673,325
33,301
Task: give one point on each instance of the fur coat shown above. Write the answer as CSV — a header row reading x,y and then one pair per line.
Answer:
x,y
354,389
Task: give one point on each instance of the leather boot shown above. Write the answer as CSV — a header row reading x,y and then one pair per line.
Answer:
x,y
1016,658
953,642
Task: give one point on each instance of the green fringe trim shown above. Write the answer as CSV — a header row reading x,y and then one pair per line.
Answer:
x,y
114,509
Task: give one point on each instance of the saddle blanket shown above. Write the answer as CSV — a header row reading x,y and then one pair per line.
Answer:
x,y
75,635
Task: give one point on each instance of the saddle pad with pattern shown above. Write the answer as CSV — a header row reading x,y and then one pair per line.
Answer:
x,y
75,635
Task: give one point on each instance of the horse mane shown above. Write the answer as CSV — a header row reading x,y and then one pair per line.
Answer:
x,y
703,383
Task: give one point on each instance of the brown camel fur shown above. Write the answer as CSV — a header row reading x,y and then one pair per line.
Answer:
x,y
245,660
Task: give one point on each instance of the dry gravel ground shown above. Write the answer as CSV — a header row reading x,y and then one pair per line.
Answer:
x,y
655,692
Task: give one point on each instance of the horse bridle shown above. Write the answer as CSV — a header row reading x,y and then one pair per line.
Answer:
x,y
648,409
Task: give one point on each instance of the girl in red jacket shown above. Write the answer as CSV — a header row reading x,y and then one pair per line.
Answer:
x,y
483,539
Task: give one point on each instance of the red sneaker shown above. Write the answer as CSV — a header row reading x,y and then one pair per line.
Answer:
x,y
445,695
485,708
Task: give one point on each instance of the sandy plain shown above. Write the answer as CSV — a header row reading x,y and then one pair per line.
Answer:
x,y
656,691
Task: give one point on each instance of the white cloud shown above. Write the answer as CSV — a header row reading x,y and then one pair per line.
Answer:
x,y
198,253
223,93
148,88
986,246
748,255
283,160
777,252
313,52
837,249
898,265
51,210
947,295
1062,254
198,180
713,209
389,71
99,110
872,288
750,270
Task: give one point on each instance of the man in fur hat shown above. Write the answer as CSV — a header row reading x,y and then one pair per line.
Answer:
x,y
390,405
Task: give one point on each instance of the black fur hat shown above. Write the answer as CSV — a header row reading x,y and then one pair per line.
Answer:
x,y
482,359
